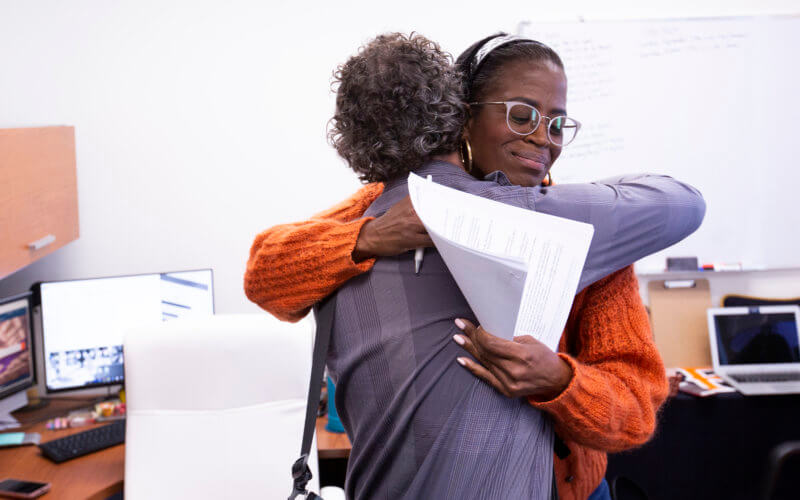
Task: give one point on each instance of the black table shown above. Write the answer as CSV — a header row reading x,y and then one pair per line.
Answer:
x,y
715,447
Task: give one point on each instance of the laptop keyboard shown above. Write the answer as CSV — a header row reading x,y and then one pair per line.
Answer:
x,y
767,377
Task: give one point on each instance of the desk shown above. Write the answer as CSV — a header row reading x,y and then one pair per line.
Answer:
x,y
96,476
99,475
713,447
703,448
331,444
334,450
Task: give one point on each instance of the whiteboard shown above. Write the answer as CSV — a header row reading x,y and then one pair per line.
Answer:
x,y
712,102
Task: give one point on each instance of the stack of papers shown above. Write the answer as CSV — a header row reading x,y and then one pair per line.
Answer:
x,y
702,382
518,269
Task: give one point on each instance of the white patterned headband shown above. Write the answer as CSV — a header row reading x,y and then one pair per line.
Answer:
x,y
494,43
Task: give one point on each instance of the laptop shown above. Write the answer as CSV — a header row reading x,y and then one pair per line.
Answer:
x,y
757,349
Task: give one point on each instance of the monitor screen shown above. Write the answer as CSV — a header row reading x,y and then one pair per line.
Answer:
x,y
757,338
83,321
16,355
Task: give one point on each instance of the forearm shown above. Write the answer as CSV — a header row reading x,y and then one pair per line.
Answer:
x,y
605,410
633,216
618,379
293,266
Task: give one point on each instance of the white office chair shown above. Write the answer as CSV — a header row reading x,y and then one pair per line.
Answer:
x,y
216,407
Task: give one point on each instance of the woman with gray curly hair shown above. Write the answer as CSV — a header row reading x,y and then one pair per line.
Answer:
x,y
398,102
419,428
420,425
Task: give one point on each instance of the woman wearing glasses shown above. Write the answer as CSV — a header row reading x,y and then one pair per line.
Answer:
x,y
421,425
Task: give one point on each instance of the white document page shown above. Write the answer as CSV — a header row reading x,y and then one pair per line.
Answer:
x,y
518,269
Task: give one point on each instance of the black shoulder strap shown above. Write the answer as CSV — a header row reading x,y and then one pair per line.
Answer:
x,y
300,472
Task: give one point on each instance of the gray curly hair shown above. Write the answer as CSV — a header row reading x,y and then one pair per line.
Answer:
x,y
399,100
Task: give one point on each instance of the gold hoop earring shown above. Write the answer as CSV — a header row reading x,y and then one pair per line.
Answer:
x,y
468,161
548,181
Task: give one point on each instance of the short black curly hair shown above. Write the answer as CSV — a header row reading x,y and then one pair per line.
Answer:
x,y
399,100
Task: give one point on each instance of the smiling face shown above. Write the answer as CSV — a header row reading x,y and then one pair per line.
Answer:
x,y
525,160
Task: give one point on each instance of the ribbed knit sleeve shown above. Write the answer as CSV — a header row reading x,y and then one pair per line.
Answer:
x,y
293,266
618,380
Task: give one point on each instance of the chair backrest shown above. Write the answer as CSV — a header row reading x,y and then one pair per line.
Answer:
x,y
215,407
775,484
733,300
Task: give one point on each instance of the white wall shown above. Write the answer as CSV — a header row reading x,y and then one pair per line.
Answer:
x,y
200,123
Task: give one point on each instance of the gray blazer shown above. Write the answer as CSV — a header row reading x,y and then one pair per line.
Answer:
x,y
421,425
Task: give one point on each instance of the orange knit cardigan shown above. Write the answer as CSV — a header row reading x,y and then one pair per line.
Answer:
x,y
618,378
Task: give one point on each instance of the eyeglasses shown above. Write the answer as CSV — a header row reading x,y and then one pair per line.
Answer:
x,y
524,119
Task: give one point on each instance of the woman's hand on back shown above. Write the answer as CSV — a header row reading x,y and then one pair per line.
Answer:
x,y
397,231
523,367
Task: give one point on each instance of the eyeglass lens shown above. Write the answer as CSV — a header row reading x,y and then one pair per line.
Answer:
x,y
524,120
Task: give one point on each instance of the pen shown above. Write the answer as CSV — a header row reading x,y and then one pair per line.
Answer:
x,y
419,253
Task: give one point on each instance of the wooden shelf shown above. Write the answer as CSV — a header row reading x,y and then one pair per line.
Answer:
x,y
40,194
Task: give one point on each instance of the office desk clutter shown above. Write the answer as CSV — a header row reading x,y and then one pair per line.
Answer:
x,y
705,345
702,382
752,345
81,323
96,475
102,412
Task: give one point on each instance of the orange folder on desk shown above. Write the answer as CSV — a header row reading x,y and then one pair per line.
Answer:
x,y
680,325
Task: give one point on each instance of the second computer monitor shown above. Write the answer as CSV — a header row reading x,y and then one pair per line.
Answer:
x,y
16,356
83,321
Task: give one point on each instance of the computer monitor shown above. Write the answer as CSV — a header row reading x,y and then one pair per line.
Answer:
x,y
83,321
16,356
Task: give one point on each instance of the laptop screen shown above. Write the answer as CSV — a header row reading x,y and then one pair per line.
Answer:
x,y
757,338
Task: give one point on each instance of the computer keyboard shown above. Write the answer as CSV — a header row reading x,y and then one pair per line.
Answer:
x,y
82,443
768,377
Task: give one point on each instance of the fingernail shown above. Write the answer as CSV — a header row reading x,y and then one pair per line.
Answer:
x,y
459,339
460,324
462,361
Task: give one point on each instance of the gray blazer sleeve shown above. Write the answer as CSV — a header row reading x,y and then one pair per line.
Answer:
x,y
633,216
